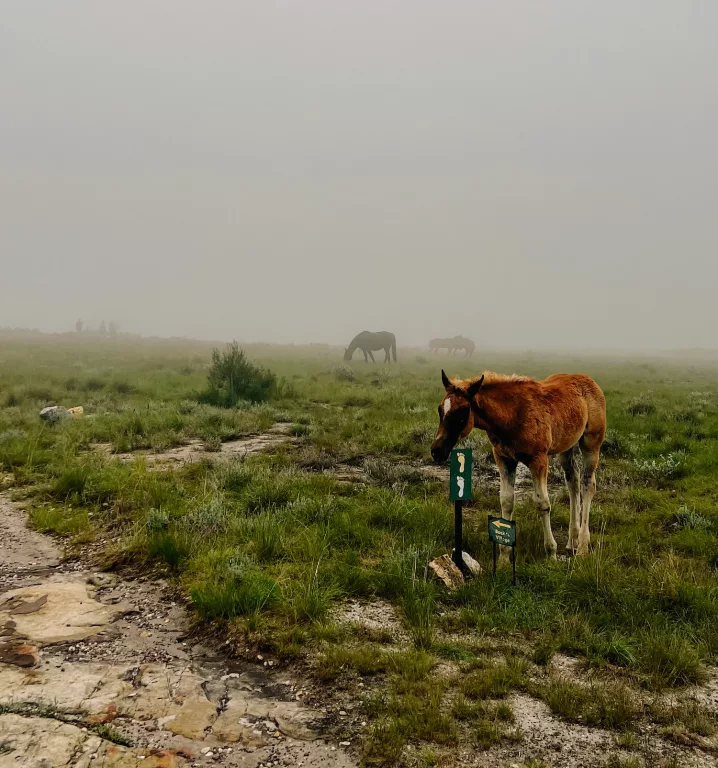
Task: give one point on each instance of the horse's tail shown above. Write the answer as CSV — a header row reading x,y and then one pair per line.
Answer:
x,y
393,347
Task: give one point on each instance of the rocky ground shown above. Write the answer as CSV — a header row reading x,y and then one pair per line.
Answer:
x,y
95,670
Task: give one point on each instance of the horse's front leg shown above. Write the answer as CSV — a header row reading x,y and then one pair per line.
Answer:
x,y
539,472
387,359
366,359
507,478
371,356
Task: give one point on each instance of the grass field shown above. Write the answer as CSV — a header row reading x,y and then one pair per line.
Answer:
x,y
270,547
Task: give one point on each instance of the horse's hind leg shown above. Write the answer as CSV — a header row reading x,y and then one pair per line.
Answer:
x,y
569,463
539,471
371,356
387,358
591,449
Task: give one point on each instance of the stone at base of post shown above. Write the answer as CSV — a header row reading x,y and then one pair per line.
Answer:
x,y
445,570
468,564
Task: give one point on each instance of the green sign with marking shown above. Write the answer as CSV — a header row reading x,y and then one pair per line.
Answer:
x,y
460,475
502,531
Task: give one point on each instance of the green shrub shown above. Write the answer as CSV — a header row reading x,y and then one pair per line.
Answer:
x,y
232,378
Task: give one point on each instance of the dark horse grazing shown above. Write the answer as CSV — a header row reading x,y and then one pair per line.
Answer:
x,y
527,421
452,344
370,342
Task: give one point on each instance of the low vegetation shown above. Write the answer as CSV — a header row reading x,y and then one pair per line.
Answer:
x,y
270,547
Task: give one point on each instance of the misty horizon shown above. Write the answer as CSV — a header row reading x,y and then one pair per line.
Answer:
x,y
533,177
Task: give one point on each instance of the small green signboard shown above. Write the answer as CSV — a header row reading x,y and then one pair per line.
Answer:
x,y
502,531
460,475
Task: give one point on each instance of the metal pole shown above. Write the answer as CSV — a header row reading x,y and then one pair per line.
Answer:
x,y
458,535
494,559
513,562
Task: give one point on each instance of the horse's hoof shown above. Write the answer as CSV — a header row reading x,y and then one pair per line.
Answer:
x,y
582,551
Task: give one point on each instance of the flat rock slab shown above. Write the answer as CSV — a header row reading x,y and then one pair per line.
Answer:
x,y
23,548
194,718
232,727
56,612
104,691
292,719
38,742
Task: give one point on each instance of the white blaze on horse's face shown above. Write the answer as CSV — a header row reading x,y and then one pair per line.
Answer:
x,y
447,405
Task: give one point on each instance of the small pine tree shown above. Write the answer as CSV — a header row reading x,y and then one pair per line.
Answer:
x,y
79,325
233,378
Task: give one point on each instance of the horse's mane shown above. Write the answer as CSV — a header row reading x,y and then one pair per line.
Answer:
x,y
491,377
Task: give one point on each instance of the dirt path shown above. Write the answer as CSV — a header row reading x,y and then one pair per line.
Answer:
x,y
97,671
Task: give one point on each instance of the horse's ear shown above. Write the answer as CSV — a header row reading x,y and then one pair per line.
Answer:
x,y
445,381
475,387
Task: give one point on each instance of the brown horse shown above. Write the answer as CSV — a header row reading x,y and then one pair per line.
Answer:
x,y
452,345
527,421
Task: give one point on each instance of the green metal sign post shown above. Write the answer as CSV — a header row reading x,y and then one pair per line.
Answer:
x,y
502,531
459,491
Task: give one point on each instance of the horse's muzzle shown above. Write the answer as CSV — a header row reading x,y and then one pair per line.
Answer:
x,y
439,454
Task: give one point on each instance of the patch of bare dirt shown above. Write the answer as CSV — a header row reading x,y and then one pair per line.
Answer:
x,y
196,450
376,616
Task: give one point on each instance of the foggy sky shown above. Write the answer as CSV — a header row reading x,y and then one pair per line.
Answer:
x,y
526,173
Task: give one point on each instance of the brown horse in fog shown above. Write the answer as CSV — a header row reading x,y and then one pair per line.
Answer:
x,y
452,345
527,421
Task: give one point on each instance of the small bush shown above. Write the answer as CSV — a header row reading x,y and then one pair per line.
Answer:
x,y
389,472
94,385
344,373
157,520
232,378
687,518
210,519
123,388
616,445
642,405
687,415
309,598
660,470
365,660
608,705
166,546
672,659
12,400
